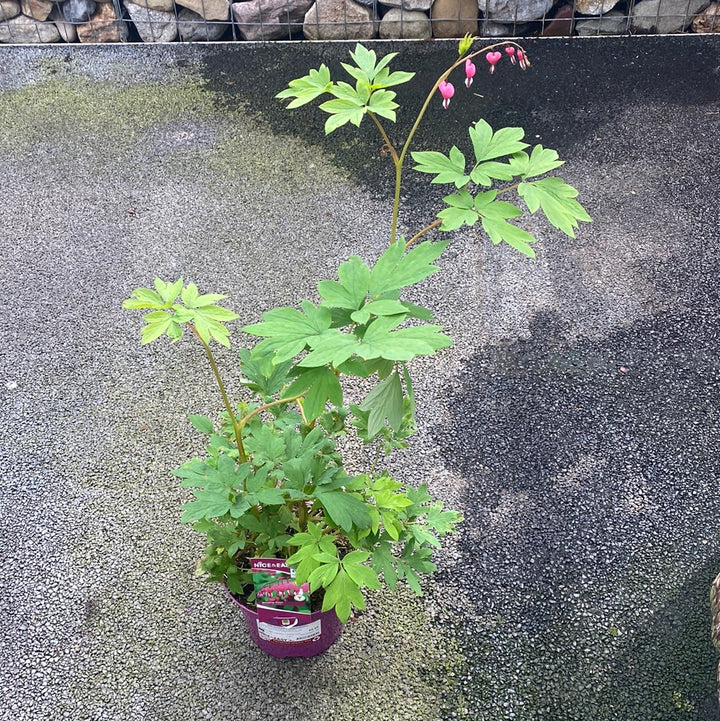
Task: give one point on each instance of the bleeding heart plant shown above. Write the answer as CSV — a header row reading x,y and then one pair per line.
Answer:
x,y
273,482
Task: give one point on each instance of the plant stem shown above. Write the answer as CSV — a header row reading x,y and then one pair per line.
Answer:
x,y
411,134
265,406
237,428
420,234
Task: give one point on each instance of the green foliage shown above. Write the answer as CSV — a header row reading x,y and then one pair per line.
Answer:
x,y
168,316
350,103
551,195
273,482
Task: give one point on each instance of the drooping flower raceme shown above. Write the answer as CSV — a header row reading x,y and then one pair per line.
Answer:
x,y
447,90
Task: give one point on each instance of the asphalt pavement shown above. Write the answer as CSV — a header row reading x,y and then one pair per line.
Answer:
x,y
575,422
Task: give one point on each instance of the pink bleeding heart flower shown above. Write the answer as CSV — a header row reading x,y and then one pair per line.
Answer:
x,y
469,72
447,91
493,59
511,52
521,59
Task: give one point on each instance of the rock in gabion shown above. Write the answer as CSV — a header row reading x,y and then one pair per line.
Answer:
x,y
193,27
9,9
594,7
424,5
104,26
708,21
78,11
454,18
25,30
665,16
153,26
270,19
612,23
339,20
514,11
98,21
405,24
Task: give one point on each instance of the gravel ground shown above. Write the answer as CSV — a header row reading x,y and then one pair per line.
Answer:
x,y
575,422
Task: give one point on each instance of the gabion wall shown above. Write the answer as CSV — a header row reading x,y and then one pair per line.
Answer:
x,y
108,21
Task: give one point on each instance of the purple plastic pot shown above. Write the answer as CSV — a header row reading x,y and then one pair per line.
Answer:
x,y
326,629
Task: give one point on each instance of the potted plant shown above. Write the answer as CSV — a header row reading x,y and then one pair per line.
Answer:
x,y
294,536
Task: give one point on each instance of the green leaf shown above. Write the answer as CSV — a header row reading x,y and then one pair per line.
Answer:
x,y
385,493
344,509
488,145
211,503
540,161
485,173
352,289
381,341
365,60
260,373
342,594
494,215
143,298
214,312
154,330
288,331
386,79
322,385
555,197
443,522
385,401
202,423
461,211
378,308
383,562
168,291
264,444
382,102
447,169
396,268
362,575
331,346
307,88
342,110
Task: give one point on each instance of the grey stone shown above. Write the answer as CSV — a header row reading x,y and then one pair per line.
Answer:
x,y
339,20
409,4
167,6
269,19
454,18
612,23
495,30
9,9
665,16
68,31
594,7
153,26
23,30
78,11
405,24
510,11
193,27
209,9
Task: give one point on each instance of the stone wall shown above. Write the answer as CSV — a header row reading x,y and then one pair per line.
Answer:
x,y
103,21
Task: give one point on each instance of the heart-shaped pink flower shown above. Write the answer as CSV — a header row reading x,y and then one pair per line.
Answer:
x,y
447,90
493,58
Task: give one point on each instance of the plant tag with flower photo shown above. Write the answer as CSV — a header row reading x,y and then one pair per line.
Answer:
x,y
283,607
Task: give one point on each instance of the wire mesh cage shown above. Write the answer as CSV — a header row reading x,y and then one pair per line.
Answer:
x,y
162,21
